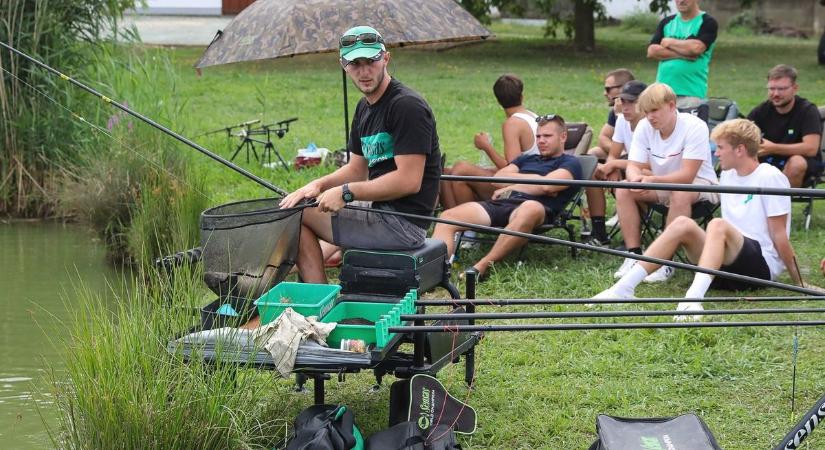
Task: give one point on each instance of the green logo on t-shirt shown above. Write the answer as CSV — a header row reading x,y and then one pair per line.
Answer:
x,y
377,148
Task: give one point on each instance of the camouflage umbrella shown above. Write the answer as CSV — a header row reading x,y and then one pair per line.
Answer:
x,y
278,28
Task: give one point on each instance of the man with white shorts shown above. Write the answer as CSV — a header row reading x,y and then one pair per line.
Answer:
x,y
668,147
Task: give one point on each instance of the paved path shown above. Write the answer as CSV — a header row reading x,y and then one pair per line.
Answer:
x,y
176,30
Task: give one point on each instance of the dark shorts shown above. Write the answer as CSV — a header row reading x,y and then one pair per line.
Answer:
x,y
748,262
375,231
500,211
814,168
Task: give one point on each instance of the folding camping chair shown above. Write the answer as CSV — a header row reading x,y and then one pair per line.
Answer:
x,y
813,180
655,218
721,109
562,220
579,137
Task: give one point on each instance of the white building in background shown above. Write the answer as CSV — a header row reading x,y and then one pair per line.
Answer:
x,y
182,7
621,8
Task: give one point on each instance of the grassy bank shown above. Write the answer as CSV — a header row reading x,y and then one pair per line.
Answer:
x,y
534,390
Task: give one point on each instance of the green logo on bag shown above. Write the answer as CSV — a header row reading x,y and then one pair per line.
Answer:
x,y
651,443
378,147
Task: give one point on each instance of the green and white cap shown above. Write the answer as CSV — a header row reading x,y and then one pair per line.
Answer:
x,y
361,49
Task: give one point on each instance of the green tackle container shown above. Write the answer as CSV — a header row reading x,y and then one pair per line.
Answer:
x,y
306,299
384,315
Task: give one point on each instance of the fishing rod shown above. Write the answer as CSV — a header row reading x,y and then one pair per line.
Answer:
x,y
721,189
609,251
804,427
602,314
597,326
148,121
579,301
547,239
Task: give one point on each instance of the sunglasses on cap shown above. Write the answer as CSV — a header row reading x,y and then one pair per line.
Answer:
x,y
546,117
366,38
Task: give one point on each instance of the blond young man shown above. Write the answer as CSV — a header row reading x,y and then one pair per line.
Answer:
x,y
750,239
668,147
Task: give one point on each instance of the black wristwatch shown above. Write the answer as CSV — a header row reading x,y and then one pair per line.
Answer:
x,y
346,194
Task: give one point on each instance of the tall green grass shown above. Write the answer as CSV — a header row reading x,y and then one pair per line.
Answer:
x,y
122,390
134,184
36,138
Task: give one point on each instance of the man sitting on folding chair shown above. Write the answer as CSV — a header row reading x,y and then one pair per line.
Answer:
x,y
668,147
520,207
750,239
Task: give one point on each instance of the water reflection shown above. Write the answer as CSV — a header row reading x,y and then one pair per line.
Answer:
x,y
41,264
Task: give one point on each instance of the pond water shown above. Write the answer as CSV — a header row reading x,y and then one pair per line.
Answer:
x,y
41,265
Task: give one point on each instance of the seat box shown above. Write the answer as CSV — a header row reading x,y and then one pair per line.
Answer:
x,y
394,273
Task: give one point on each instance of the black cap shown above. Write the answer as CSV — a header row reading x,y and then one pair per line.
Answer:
x,y
632,90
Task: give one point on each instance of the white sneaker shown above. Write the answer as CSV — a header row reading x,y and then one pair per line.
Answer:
x,y
661,275
688,306
608,294
469,241
613,221
624,268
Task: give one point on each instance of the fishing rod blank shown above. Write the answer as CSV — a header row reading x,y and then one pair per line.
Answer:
x,y
600,314
609,251
579,301
150,122
722,189
598,326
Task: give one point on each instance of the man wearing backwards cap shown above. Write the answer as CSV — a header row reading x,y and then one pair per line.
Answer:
x,y
395,164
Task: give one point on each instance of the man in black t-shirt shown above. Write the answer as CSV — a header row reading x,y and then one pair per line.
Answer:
x,y
395,164
791,127
519,207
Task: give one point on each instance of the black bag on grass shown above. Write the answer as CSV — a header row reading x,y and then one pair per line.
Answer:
x,y
425,401
685,432
325,427
408,436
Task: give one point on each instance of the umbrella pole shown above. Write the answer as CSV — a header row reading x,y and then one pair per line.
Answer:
x,y
346,111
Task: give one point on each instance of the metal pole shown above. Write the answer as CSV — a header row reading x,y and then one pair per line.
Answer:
x,y
599,326
579,301
596,314
609,251
802,192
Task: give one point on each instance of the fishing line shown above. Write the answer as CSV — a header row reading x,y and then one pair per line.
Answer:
x,y
149,121
105,132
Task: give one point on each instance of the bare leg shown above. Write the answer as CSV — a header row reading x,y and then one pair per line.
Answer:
x,y
469,192
629,217
310,262
681,204
525,218
683,232
468,212
722,244
446,196
795,170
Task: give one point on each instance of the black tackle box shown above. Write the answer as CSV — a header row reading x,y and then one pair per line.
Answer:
x,y
394,273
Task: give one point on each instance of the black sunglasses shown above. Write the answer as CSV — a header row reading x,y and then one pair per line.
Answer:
x,y
546,118
608,88
367,38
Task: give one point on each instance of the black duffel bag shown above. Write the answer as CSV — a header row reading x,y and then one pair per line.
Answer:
x,y
324,427
408,436
685,432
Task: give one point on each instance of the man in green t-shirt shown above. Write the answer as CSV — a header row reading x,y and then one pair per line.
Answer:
x,y
683,44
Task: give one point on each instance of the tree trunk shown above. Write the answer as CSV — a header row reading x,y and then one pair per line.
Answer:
x,y
584,25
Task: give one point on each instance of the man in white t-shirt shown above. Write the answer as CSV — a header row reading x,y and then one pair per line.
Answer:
x,y
668,147
616,159
750,239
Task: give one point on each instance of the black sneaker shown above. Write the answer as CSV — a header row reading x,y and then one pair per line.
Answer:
x,y
597,242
